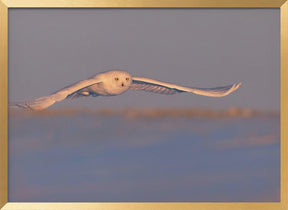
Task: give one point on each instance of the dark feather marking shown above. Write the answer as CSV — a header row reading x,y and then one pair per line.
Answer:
x,y
150,87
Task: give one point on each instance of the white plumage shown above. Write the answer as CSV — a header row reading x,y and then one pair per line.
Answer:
x,y
116,82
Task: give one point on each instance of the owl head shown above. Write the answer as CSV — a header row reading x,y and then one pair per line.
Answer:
x,y
116,81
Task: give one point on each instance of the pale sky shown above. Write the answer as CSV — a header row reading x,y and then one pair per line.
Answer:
x,y
50,49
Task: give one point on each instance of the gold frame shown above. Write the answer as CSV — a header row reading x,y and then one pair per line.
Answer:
x,y
6,4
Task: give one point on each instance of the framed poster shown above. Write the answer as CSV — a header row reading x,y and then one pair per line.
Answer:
x,y
137,149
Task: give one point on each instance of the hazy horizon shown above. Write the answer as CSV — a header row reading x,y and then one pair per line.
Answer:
x,y
84,157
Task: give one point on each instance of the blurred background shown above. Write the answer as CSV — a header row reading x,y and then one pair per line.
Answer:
x,y
141,146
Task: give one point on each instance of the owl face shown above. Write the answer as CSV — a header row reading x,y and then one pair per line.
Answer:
x,y
117,81
121,80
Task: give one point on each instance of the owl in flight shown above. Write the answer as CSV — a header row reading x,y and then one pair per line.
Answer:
x,y
116,82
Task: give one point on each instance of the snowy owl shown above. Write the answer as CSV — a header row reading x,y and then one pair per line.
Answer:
x,y
116,82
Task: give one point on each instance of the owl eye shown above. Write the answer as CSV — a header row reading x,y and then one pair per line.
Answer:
x,y
127,78
116,78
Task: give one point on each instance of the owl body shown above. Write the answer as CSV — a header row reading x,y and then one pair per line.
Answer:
x,y
112,83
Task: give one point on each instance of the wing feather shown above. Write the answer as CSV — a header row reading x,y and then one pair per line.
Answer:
x,y
46,101
155,86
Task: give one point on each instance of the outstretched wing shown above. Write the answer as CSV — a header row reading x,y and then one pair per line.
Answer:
x,y
155,86
46,101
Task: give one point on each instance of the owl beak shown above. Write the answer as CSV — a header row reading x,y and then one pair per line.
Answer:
x,y
122,84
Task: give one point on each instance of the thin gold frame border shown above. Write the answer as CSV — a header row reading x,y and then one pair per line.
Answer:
x,y
4,7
